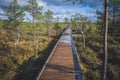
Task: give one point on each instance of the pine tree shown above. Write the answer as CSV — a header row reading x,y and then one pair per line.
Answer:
x,y
14,13
114,10
66,20
100,20
48,19
105,51
34,10
57,27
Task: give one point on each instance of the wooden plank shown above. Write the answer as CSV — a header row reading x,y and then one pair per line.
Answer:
x,y
60,66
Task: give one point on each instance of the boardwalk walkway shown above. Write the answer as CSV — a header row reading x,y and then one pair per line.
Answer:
x,y
62,64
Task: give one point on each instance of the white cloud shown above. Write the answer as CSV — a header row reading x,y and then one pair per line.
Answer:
x,y
41,3
64,11
27,17
24,2
61,10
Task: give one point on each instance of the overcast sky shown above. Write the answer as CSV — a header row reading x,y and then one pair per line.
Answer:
x,y
62,9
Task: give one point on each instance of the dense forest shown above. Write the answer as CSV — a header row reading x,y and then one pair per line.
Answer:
x,y
25,46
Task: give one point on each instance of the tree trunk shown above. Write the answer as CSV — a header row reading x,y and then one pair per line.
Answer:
x,y
33,23
113,20
33,16
36,48
36,38
48,29
105,41
83,37
18,39
75,33
33,19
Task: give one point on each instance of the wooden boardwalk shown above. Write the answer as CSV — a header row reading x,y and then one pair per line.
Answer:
x,y
60,64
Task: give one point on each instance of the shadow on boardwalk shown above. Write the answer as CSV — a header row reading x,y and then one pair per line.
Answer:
x,y
60,68
30,68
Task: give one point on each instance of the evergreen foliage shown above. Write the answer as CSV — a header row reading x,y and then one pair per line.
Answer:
x,y
14,13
